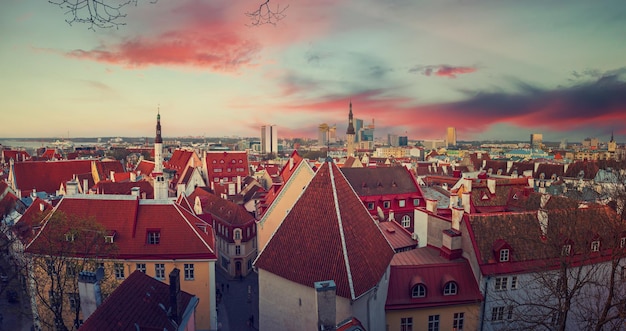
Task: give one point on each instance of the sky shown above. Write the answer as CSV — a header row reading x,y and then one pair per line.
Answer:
x,y
493,69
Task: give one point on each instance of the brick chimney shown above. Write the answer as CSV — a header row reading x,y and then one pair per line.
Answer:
x,y
326,302
175,313
71,187
431,205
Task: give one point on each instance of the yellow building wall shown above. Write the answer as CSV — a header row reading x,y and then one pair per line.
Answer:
x,y
446,317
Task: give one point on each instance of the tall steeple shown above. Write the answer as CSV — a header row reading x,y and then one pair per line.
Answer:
x,y
350,133
159,183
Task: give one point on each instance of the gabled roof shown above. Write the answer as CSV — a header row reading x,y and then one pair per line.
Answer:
x,y
227,159
381,181
582,170
16,155
549,169
131,219
328,234
425,266
31,219
228,212
144,167
140,302
179,160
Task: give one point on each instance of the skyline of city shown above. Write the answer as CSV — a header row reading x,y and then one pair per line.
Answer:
x,y
502,71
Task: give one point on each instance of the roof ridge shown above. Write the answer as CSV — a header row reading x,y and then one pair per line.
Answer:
x,y
344,248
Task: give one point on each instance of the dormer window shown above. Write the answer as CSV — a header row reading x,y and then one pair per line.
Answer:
x,y
401,203
504,255
566,250
237,234
418,291
370,206
450,288
69,236
386,204
622,242
595,246
109,237
154,237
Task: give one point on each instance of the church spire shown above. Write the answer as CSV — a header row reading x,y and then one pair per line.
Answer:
x,y
350,121
158,139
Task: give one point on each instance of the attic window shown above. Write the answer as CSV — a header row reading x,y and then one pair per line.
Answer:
x,y
418,291
595,245
566,250
401,203
553,177
450,288
622,242
69,236
154,237
386,204
485,197
504,255
370,206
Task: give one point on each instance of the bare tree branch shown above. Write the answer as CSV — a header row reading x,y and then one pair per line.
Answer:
x,y
266,14
101,14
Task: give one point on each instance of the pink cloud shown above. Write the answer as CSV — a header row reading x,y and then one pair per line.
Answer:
x,y
442,70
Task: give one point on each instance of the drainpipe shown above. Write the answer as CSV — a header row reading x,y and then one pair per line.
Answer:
x,y
482,313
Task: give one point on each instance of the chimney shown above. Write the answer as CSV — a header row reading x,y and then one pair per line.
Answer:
x,y
509,165
239,184
85,186
536,164
531,182
41,206
133,177
175,314
89,291
457,216
466,201
135,191
454,200
71,187
112,175
491,185
431,205
391,216
326,302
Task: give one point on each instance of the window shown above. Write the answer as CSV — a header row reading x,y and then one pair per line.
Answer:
x,y
416,202
433,323
189,275
450,288
501,283
386,204
406,324
504,255
370,206
401,203
71,268
566,250
237,234
154,237
406,221
119,270
622,242
217,170
159,271
595,245
69,237
418,291
237,249
141,267
250,264
74,300
623,273
501,313
457,322
514,284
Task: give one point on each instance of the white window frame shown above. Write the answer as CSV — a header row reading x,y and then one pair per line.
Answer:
x,y
371,206
505,254
595,246
141,267
451,288
406,324
406,221
418,291
514,283
159,271
566,250
118,269
433,322
401,203
501,283
189,271
386,204
458,321
622,242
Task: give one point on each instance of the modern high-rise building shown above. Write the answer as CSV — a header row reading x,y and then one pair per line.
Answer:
x,y
451,136
269,139
536,140
393,140
322,134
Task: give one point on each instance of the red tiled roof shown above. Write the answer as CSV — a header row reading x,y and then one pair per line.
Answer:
x,y
32,217
132,219
381,181
108,187
328,234
426,266
227,160
144,168
398,236
47,176
228,212
138,303
17,156
179,160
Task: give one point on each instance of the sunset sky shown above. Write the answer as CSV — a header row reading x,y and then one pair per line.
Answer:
x,y
495,70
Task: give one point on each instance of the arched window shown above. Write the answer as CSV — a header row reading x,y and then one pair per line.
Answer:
x,y
450,288
418,291
237,234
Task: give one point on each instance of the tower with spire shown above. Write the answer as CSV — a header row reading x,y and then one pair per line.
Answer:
x,y
350,133
612,145
160,184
